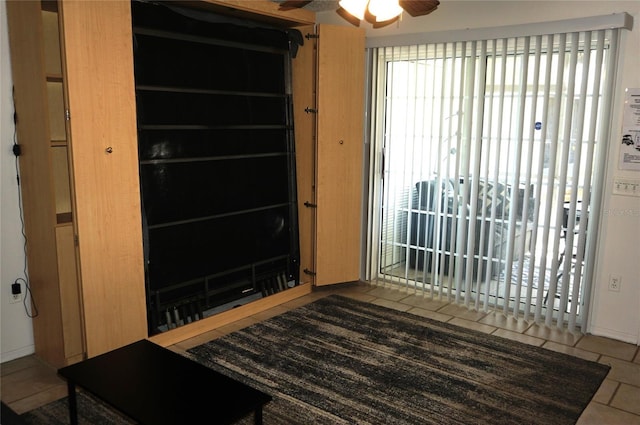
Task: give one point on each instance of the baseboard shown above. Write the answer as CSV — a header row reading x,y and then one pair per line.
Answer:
x,y
16,354
210,323
613,334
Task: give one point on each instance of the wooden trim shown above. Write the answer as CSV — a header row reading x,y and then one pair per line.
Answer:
x,y
69,293
54,78
28,69
257,10
207,324
303,76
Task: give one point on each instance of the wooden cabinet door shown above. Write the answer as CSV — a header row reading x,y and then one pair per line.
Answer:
x,y
304,98
97,45
31,105
340,105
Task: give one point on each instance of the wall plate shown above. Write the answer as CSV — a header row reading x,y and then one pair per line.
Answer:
x,y
627,187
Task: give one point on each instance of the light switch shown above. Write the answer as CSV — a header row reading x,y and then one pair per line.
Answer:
x,y
628,187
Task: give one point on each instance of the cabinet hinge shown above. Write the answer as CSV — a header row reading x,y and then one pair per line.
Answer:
x,y
76,241
309,272
67,115
310,110
309,36
310,205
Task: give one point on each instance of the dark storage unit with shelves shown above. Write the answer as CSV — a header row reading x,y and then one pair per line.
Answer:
x,y
217,162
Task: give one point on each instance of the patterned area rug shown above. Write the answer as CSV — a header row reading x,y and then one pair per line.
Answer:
x,y
90,412
341,361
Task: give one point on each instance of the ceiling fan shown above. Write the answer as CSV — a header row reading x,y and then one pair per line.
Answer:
x,y
377,12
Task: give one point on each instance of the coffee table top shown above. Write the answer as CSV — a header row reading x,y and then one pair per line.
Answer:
x,y
154,385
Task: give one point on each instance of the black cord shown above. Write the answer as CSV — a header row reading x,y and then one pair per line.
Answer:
x,y
28,293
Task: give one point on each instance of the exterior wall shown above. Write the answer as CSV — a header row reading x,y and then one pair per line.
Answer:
x,y
613,314
16,337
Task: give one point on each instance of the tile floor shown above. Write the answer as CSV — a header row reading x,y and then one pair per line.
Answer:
x,y
28,383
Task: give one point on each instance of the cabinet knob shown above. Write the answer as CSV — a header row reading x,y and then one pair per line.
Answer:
x,y
341,142
109,149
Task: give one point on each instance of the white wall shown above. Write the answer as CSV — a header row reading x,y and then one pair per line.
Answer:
x,y
613,314
16,334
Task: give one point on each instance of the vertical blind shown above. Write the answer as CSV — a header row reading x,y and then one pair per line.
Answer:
x,y
487,165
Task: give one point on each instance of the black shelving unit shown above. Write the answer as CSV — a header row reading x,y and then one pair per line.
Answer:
x,y
217,162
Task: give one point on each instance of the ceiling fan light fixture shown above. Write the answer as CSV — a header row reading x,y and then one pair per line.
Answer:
x,y
384,10
355,7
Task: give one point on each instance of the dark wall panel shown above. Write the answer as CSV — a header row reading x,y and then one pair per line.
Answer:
x,y
175,144
189,190
217,67
217,161
179,108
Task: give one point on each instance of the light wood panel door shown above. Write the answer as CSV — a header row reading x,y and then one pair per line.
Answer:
x,y
29,71
340,104
98,57
304,97
70,308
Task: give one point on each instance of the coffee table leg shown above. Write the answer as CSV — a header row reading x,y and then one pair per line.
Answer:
x,y
73,407
257,416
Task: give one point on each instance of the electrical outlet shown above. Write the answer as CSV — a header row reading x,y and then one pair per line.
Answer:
x,y
16,293
614,283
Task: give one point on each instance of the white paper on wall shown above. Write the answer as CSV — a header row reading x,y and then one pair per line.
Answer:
x,y
630,148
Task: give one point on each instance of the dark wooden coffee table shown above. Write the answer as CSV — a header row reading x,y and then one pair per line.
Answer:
x,y
153,385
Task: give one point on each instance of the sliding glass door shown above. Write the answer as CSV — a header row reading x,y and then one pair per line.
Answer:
x,y
490,156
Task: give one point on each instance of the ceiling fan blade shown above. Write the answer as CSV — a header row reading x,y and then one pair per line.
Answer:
x,y
419,7
348,17
376,24
384,23
293,4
